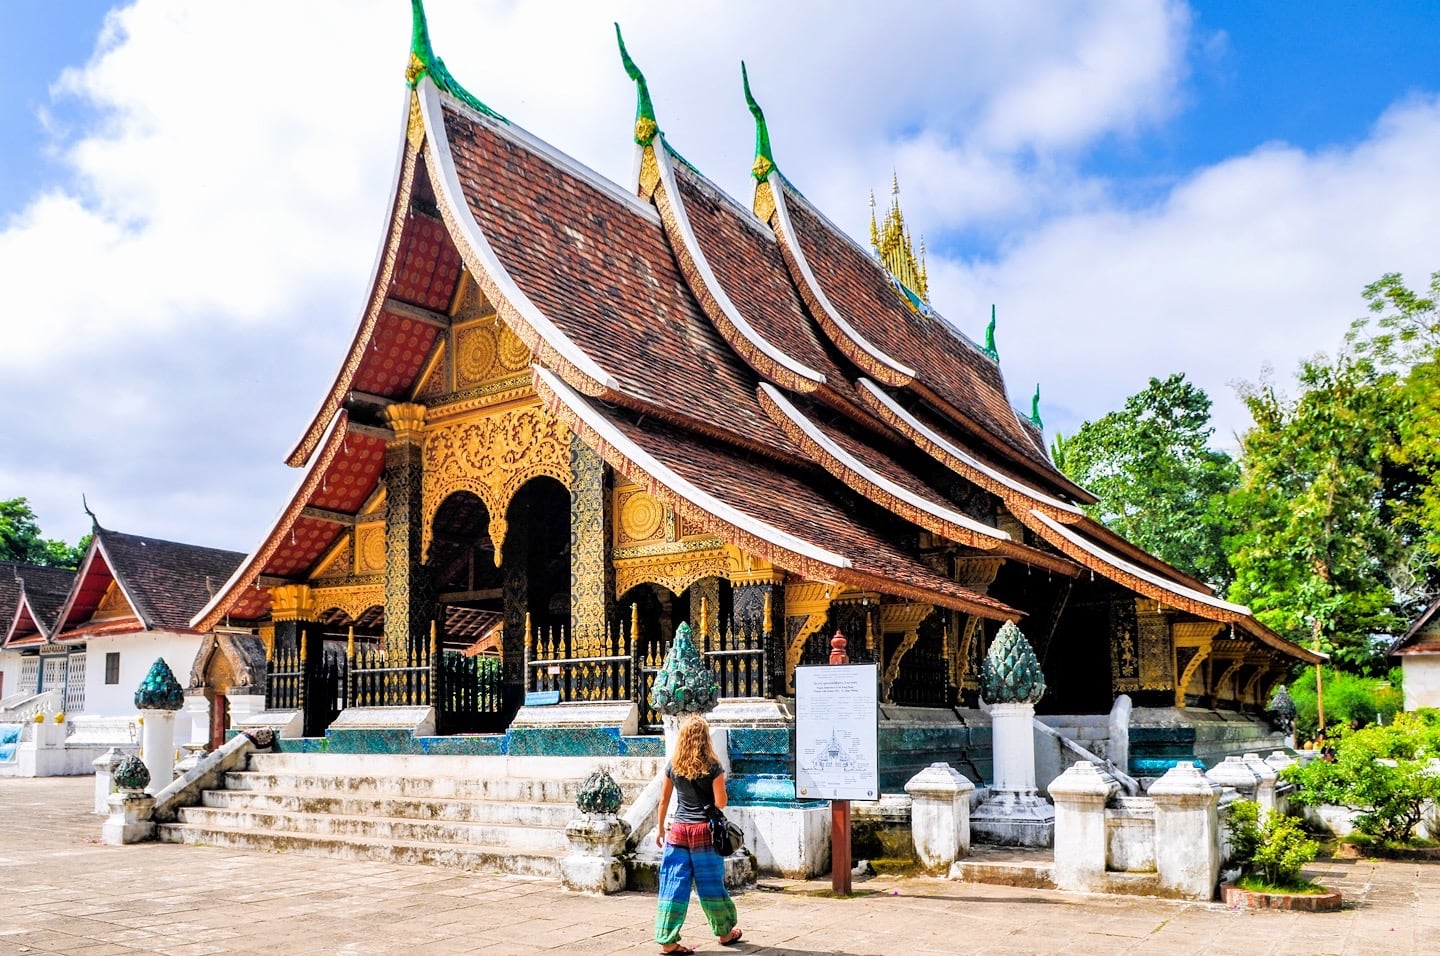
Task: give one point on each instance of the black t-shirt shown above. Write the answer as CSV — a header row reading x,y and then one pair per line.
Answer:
x,y
692,796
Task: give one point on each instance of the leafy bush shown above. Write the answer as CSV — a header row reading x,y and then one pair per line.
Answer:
x,y
1350,700
1386,774
1275,851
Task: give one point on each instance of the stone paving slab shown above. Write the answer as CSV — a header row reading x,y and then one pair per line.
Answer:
x,y
65,892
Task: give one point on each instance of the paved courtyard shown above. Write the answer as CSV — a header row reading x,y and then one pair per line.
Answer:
x,y
64,892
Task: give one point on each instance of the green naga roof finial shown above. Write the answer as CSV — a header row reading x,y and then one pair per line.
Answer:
x,y
424,62
764,159
990,348
646,128
1035,408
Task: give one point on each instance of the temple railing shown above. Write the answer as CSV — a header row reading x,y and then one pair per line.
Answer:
x,y
579,670
284,678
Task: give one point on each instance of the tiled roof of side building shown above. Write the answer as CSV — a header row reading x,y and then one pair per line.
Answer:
x,y
45,589
171,581
955,371
620,297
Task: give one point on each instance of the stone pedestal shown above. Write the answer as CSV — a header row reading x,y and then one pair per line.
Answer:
x,y
1014,814
244,705
129,820
158,747
1080,795
939,816
105,765
1187,832
1235,773
595,864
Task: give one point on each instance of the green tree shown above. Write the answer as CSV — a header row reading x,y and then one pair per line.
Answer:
x,y
1159,483
1318,544
20,539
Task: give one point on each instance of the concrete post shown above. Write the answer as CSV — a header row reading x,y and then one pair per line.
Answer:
x,y
595,863
197,708
1187,832
1080,795
158,747
130,818
105,765
245,705
1235,773
1118,748
939,816
1265,790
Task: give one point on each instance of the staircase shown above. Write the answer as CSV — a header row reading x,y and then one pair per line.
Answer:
x,y
497,814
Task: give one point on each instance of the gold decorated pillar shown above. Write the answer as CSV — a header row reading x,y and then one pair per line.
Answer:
x,y
592,576
293,612
409,594
757,605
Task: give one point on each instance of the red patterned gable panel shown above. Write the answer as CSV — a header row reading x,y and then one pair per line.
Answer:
x,y
301,548
427,266
254,603
352,475
394,356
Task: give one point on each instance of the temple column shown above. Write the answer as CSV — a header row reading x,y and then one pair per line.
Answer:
x,y
592,576
409,596
705,603
293,611
757,599
515,593
855,615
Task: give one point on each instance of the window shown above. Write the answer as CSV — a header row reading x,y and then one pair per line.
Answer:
x,y
29,675
75,683
112,667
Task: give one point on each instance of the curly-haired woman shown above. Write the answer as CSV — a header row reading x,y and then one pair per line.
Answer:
x,y
696,781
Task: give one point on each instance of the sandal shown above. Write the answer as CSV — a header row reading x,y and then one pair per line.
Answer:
x,y
680,950
732,938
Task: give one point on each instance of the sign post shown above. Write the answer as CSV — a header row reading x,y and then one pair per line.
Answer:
x,y
836,753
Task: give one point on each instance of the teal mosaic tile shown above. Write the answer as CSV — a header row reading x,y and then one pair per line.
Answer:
x,y
643,746
302,745
566,742
760,740
466,745
373,741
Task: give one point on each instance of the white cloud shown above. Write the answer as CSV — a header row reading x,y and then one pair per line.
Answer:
x,y
1256,261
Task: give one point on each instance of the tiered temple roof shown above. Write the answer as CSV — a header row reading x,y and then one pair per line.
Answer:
x,y
755,371
30,599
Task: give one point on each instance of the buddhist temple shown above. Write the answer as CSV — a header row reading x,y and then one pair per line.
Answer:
x,y
576,414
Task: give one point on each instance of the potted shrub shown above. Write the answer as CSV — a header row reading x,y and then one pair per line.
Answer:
x,y
1271,855
1388,775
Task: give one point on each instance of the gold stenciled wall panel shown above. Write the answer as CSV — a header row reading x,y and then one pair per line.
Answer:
x,y
370,552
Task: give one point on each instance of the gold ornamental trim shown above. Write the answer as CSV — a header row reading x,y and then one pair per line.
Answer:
x,y
676,572
354,600
292,602
407,420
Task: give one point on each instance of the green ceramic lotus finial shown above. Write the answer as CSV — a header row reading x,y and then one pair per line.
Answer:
x,y
684,684
1035,408
990,348
1281,711
131,774
159,690
764,159
1010,673
645,126
599,794
424,62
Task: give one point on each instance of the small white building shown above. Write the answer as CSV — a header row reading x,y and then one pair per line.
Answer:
x,y
130,602
1419,654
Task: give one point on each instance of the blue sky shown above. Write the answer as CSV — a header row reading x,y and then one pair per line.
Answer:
x,y
1141,187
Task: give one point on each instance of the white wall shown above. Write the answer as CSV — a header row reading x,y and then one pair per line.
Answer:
x,y
10,667
137,654
1422,680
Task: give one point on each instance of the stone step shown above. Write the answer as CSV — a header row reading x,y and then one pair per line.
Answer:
x,y
1032,875
635,769
493,859
500,789
377,828
446,809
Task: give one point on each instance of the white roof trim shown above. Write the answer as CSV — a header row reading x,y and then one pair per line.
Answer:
x,y
1134,569
969,459
449,192
793,242
707,275
242,570
662,473
831,448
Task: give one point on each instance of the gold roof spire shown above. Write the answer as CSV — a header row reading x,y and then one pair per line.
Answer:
x,y
893,244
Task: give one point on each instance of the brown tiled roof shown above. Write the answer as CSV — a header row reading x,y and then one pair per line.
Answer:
x,y
955,371
44,590
746,261
796,502
168,581
620,296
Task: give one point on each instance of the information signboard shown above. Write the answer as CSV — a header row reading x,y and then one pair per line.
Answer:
x,y
837,716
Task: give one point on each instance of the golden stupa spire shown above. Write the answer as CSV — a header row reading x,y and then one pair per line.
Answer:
x,y
893,244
